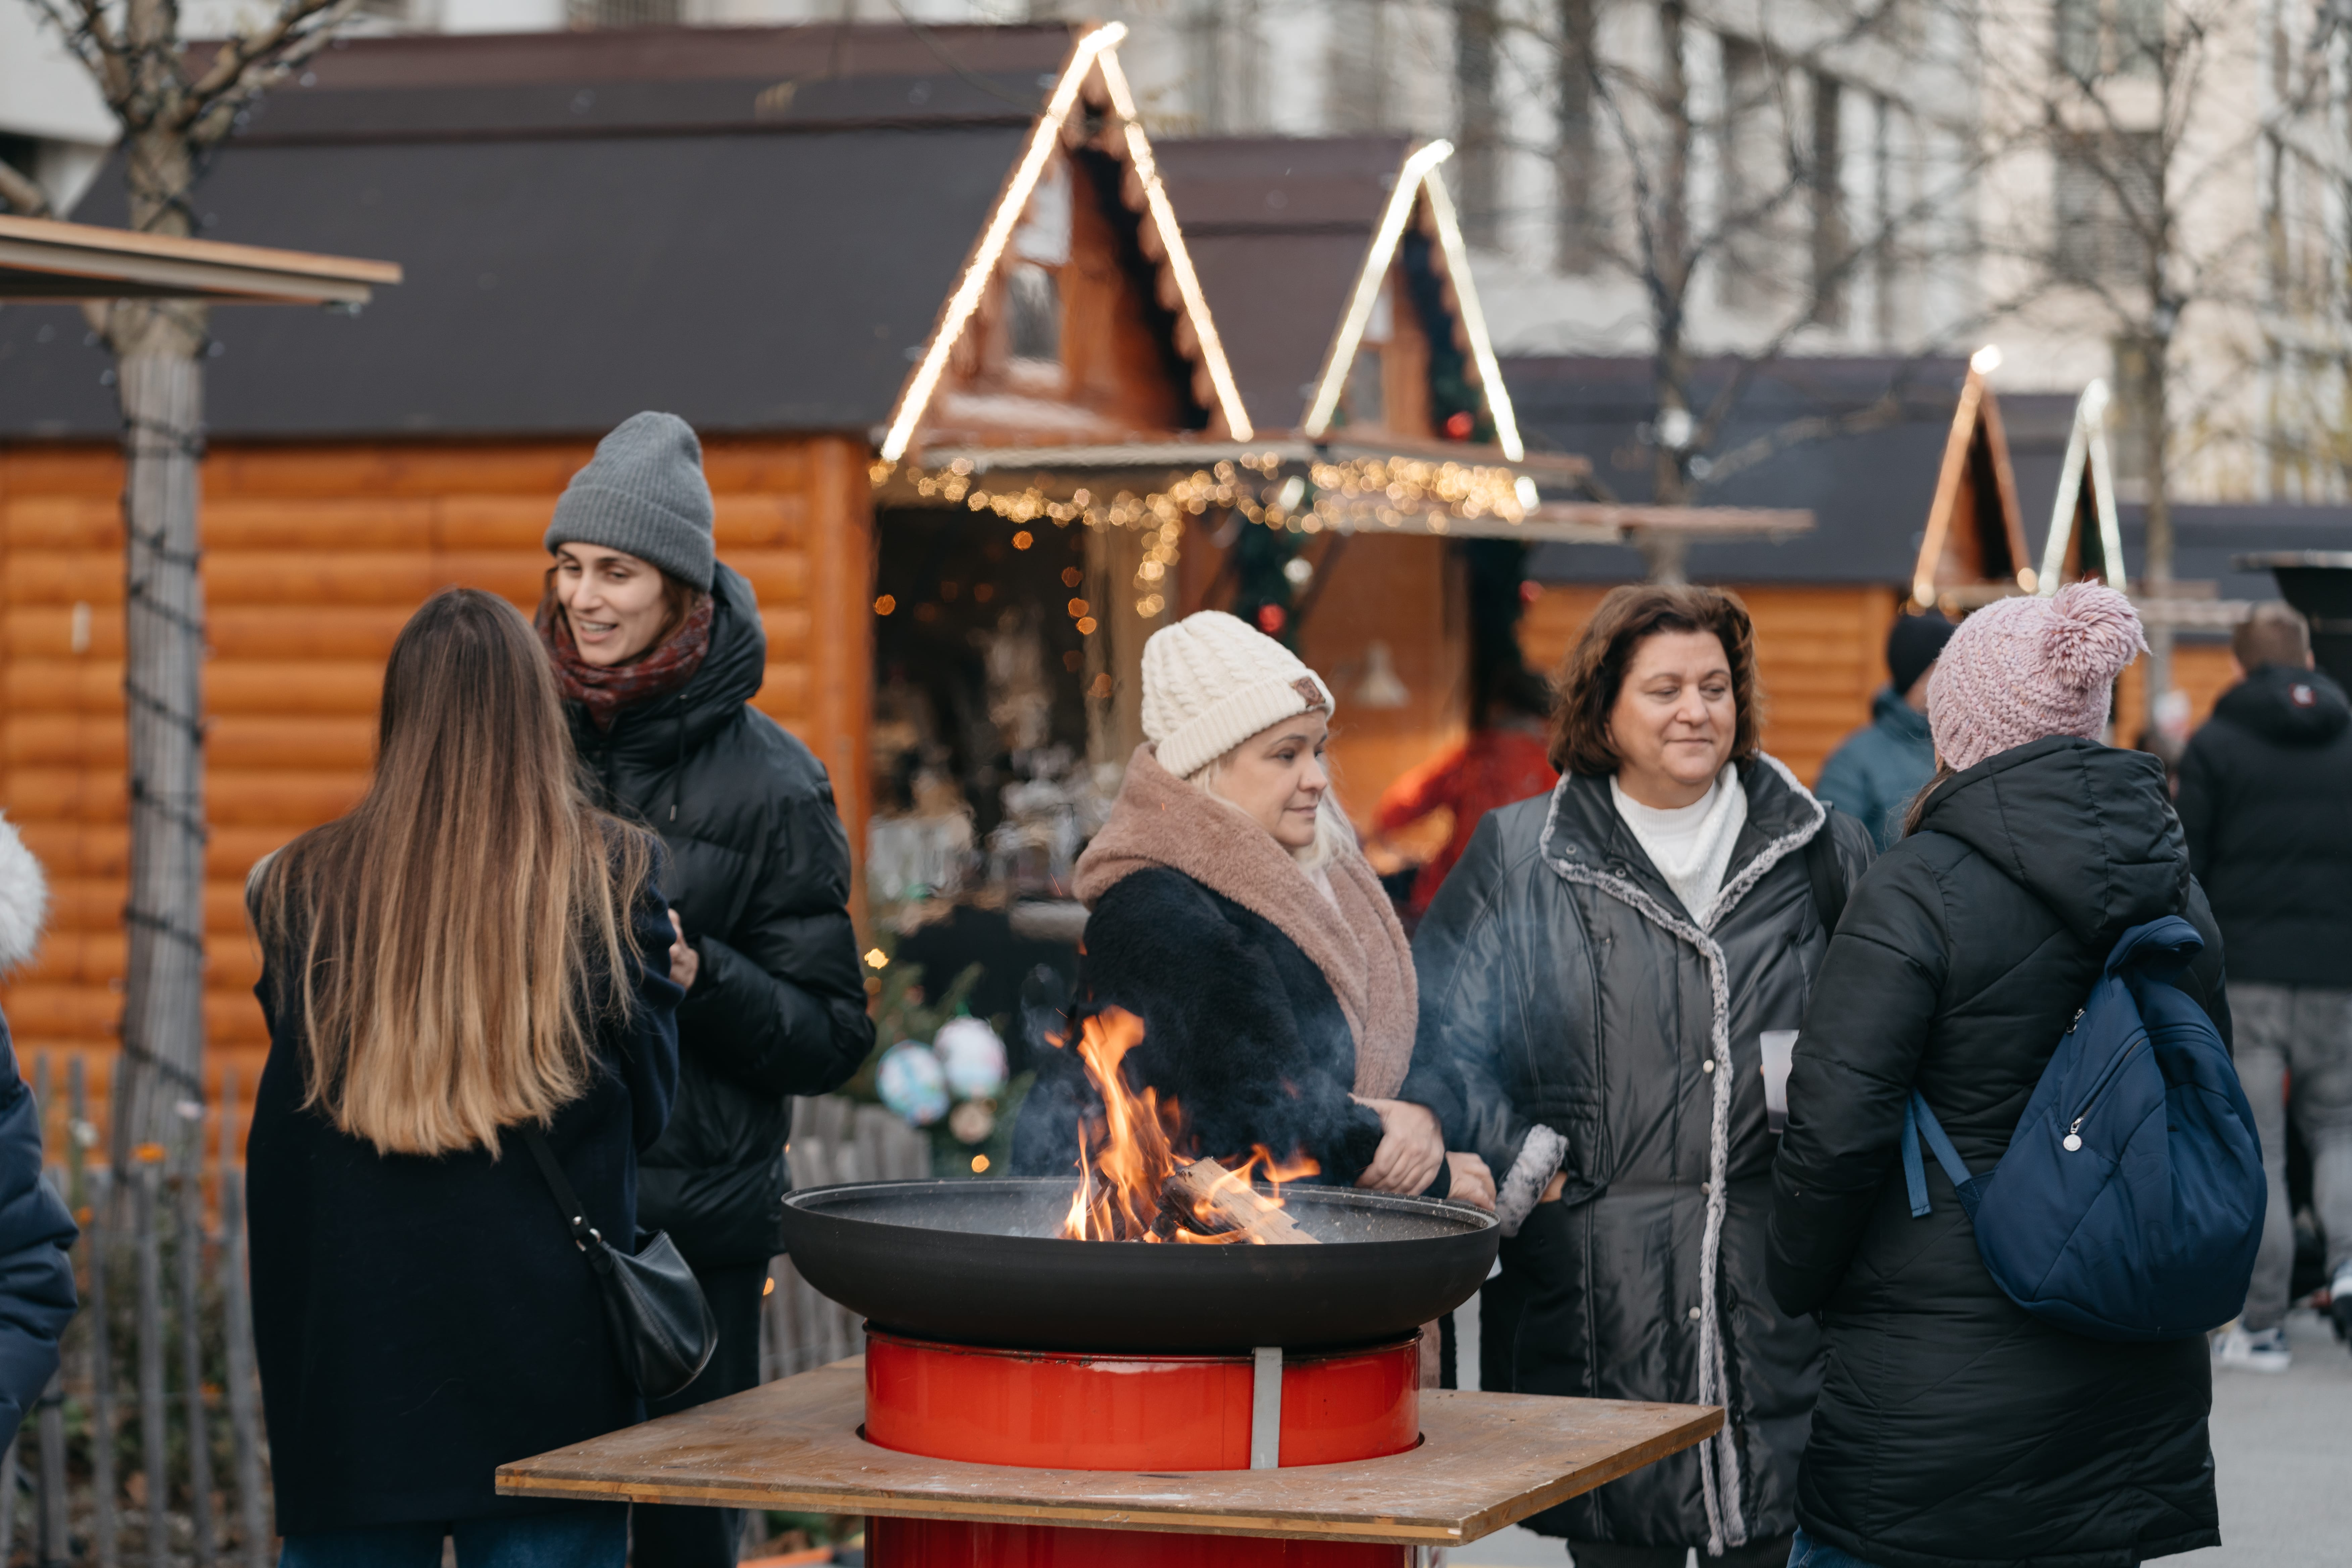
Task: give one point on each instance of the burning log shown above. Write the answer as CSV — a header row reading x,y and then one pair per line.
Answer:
x,y
1211,1201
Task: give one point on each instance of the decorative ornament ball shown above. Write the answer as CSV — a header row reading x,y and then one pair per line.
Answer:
x,y
912,1083
971,1122
973,1057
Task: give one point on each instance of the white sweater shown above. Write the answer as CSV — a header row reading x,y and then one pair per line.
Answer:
x,y
1690,845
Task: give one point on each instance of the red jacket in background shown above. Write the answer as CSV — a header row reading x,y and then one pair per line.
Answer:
x,y
1492,768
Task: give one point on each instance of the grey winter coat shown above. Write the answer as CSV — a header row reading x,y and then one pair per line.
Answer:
x,y
1876,770
1590,1026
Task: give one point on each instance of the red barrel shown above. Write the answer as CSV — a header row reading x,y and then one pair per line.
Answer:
x,y
1179,1414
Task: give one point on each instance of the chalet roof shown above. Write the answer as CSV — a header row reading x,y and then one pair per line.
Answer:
x,y
591,224
1278,228
1870,490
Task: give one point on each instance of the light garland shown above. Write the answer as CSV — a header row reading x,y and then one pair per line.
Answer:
x,y
1097,53
1347,494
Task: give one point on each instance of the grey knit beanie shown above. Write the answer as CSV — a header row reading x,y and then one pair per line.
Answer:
x,y
643,494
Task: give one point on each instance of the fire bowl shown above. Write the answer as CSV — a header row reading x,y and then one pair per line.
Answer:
x,y
979,1263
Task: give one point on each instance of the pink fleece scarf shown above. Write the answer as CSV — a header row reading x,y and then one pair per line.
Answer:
x,y
1352,936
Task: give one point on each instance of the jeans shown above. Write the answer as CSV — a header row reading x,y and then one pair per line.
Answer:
x,y
1807,1553
581,1535
1607,1554
674,1535
2296,1038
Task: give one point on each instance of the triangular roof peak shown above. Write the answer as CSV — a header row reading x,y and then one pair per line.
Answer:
x,y
1973,549
1419,190
1093,61
2085,541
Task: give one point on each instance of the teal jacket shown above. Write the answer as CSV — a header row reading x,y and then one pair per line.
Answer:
x,y
1876,770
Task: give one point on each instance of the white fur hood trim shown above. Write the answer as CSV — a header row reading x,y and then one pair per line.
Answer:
x,y
24,899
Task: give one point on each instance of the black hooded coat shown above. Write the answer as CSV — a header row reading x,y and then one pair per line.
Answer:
x,y
2266,800
1954,1430
1591,1027
759,873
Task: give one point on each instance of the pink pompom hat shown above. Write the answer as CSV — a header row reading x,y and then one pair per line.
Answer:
x,y
2021,670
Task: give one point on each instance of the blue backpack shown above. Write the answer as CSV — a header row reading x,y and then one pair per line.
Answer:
x,y
2130,1202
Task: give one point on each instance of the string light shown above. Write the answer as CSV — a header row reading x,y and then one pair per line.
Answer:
x,y
1419,175
1339,495
1180,260
958,312
1096,52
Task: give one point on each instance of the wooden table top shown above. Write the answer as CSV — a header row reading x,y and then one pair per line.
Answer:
x,y
1486,1460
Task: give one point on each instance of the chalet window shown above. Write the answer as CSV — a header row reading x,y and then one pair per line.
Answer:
x,y
1034,304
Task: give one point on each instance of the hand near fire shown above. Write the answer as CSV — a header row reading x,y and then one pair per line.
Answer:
x,y
1473,1183
1412,1146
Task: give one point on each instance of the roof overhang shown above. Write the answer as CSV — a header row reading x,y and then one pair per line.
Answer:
x,y
41,259
1305,487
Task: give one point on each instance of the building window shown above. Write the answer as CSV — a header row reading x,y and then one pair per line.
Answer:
x,y
1579,231
2105,193
2100,38
1359,87
1034,305
1831,241
1475,29
625,13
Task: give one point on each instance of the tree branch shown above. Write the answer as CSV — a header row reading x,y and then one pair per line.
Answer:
x,y
25,198
249,63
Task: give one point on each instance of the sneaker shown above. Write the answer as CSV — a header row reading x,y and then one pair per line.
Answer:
x,y
2252,1350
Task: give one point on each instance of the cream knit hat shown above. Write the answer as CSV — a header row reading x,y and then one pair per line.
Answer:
x,y
1209,682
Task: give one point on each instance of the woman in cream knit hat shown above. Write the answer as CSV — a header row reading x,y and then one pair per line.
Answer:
x,y
1232,912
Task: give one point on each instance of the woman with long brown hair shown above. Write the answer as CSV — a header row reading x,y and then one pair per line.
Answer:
x,y
1602,972
472,950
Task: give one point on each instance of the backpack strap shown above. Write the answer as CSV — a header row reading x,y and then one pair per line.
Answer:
x,y
1918,1121
1829,888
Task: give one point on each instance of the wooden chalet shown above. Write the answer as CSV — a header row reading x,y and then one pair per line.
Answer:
x,y
812,245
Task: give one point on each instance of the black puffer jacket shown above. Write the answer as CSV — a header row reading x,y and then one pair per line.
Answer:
x,y
1954,1430
1259,1054
2266,798
1576,1005
759,873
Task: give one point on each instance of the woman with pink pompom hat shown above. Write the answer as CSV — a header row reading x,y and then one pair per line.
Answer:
x,y
1953,1428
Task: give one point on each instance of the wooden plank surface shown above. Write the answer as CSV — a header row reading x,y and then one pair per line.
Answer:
x,y
1486,1460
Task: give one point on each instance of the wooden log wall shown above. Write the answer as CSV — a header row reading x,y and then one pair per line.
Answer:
x,y
1821,654
314,557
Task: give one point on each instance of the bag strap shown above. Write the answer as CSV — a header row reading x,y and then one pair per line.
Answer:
x,y
1918,1121
574,1215
1828,888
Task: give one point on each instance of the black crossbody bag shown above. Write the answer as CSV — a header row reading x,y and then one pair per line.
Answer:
x,y
661,1325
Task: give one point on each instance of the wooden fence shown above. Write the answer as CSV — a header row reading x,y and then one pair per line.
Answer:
x,y
147,1449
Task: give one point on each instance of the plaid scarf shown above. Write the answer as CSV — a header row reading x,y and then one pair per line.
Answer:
x,y
605,690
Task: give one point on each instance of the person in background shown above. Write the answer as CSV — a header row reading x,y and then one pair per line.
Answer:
x,y
37,1302
1876,770
1504,757
471,950
1231,912
2266,800
659,649
1955,1429
1597,978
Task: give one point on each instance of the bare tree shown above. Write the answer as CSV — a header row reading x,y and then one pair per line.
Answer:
x,y
1693,160
175,109
2163,126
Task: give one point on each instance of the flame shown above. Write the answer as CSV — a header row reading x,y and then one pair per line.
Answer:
x,y
1127,1157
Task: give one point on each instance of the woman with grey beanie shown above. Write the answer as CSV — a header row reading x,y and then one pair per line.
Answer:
x,y
658,649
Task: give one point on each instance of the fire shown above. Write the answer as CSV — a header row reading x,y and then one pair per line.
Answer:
x,y
1134,1186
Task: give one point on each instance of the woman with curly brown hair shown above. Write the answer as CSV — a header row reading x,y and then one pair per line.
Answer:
x,y
1599,976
